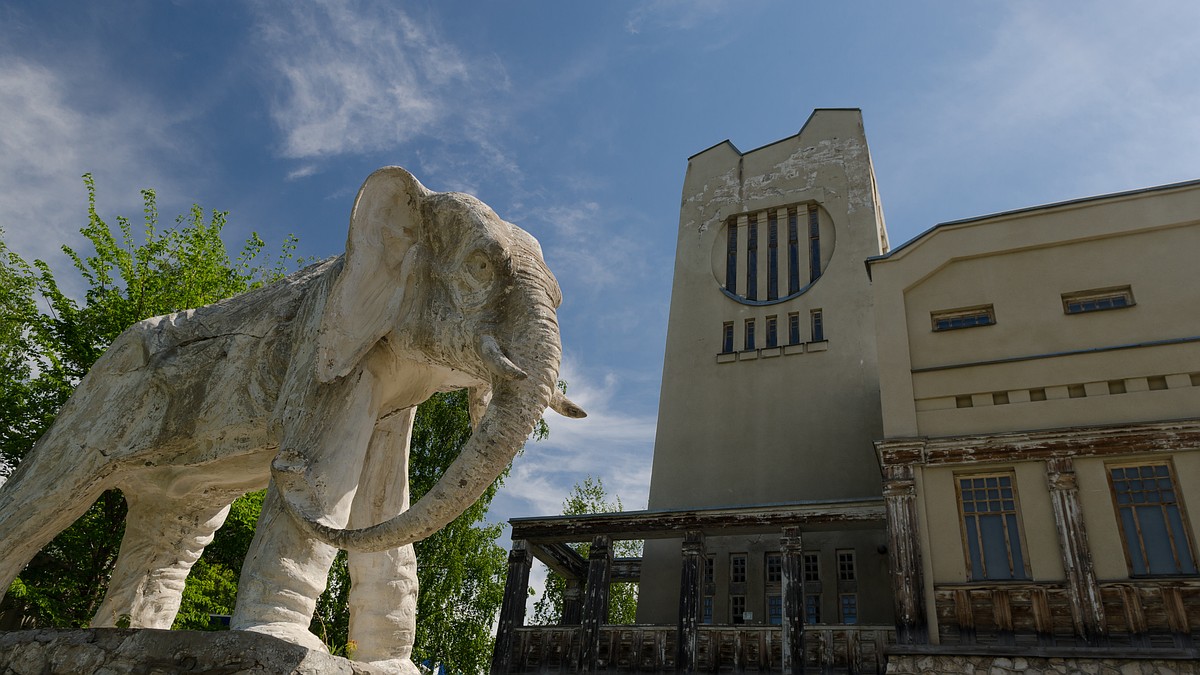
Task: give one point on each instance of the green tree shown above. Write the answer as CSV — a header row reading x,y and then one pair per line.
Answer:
x,y
44,353
589,496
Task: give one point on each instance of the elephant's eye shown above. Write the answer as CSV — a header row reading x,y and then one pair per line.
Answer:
x,y
479,270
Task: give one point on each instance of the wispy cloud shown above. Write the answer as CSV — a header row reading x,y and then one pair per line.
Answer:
x,y
677,14
48,138
361,78
1058,101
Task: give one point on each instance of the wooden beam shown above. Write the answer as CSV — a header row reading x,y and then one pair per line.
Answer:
x,y
512,609
686,648
904,554
832,515
791,548
595,602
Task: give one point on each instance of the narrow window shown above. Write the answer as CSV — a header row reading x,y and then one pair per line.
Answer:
x,y
812,608
775,610
993,540
967,317
793,252
1153,527
794,328
818,325
774,568
752,259
849,608
812,566
772,257
772,332
708,610
727,337
749,335
814,244
709,570
1097,300
737,568
731,258
737,609
846,567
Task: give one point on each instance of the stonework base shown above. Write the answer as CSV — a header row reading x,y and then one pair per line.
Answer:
x,y
955,664
117,651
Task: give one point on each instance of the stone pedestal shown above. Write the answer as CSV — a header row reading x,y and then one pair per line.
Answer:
x,y
113,651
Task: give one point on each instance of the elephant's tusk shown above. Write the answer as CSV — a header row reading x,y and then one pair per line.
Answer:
x,y
564,406
497,362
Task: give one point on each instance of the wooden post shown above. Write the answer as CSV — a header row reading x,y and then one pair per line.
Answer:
x,y
904,554
572,612
793,600
512,610
1083,591
689,602
595,602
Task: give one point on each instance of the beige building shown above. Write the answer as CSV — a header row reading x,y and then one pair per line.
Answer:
x,y
770,389
982,445
1040,379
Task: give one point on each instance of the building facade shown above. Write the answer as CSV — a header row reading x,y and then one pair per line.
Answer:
x,y
1040,379
770,385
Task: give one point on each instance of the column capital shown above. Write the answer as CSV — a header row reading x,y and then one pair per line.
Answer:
x,y
1060,473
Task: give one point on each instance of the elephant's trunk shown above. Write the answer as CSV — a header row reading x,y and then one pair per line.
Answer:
x,y
516,405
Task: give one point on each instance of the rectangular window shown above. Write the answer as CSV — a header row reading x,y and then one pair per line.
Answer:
x,y
967,317
774,568
794,328
993,539
812,566
1153,526
707,617
1097,300
817,322
848,607
772,257
812,608
772,332
793,253
737,609
752,259
846,567
749,335
731,257
814,244
737,568
727,337
775,610
709,570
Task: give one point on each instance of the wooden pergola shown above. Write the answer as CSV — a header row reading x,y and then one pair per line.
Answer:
x,y
588,580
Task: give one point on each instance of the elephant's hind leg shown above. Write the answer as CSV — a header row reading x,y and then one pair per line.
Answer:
x,y
41,499
164,537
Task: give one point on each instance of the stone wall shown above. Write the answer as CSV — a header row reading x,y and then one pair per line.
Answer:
x,y
955,664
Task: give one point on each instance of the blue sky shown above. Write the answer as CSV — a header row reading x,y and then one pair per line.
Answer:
x,y
575,120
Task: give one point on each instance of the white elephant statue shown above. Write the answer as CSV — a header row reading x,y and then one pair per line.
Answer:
x,y
309,384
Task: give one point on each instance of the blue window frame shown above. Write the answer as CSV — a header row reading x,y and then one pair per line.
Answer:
x,y
772,257
990,527
772,332
731,257
814,244
775,610
817,323
793,252
1153,526
1083,302
752,259
727,337
812,608
953,319
750,335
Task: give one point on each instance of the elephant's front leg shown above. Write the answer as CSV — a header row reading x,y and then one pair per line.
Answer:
x,y
286,570
383,593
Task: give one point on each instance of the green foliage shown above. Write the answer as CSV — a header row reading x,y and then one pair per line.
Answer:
x,y
589,496
44,353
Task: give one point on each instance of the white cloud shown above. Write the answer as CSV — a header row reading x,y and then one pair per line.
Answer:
x,y
362,78
678,15
613,443
48,138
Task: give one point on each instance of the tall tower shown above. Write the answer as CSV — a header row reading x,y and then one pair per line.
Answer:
x,y
770,387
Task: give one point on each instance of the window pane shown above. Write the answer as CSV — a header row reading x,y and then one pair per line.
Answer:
x,y
995,550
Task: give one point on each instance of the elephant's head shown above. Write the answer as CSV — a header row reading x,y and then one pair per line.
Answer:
x,y
445,283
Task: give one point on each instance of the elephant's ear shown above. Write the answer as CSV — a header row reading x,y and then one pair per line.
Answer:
x,y
381,253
